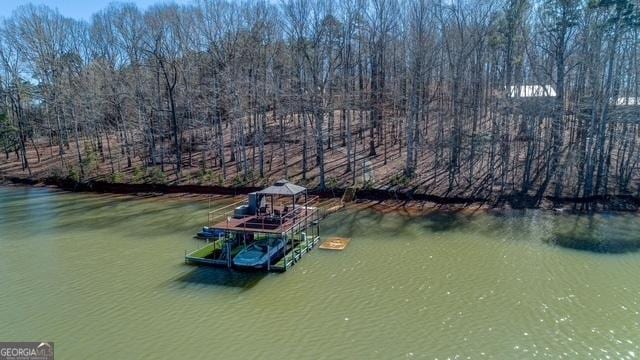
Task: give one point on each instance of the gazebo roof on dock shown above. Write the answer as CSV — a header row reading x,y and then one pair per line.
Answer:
x,y
283,187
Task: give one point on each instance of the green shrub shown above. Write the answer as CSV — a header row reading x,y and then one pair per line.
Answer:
x,y
90,160
239,181
8,134
73,173
138,175
156,176
116,178
331,183
399,180
205,176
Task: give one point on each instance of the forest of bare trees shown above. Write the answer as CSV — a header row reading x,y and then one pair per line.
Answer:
x,y
450,97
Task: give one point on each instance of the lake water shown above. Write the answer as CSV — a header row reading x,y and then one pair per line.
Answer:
x,y
103,277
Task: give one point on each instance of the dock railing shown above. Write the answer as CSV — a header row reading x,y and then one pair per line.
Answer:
x,y
262,222
219,212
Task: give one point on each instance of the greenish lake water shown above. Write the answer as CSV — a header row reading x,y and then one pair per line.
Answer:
x,y
103,277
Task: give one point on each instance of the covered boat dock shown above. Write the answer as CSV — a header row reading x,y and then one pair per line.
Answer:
x,y
282,214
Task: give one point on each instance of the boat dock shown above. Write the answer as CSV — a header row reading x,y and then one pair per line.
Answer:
x,y
274,228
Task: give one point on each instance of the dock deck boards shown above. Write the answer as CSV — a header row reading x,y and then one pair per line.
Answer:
x,y
267,224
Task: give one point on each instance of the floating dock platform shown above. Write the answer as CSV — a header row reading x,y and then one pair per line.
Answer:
x,y
335,243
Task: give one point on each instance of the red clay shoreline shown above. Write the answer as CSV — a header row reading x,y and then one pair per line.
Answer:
x,y
377,199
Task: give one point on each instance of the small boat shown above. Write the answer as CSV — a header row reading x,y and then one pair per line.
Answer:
x,y
210,233
258,254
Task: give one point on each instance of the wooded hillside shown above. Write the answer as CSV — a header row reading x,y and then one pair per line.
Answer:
x,y
429,95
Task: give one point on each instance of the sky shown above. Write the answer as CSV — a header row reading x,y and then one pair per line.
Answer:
x,y
78,9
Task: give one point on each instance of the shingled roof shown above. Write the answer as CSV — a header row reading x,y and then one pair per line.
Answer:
x,y
283,187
